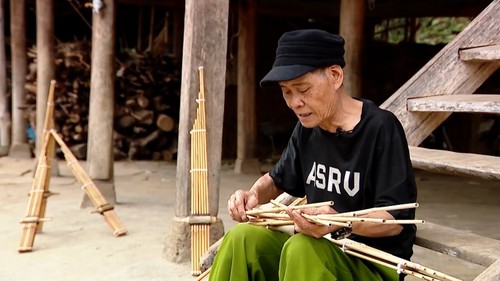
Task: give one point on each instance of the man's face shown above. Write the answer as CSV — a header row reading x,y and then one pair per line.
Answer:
x,y
311,97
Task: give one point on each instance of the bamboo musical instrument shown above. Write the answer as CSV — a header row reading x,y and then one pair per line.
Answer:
x,y
102,206
378,256
37,200
200,232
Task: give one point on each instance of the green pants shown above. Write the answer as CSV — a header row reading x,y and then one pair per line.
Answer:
x,y
255,253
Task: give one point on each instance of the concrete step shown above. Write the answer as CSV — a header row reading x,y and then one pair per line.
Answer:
x,y
448,162
455,103
464,245
487,53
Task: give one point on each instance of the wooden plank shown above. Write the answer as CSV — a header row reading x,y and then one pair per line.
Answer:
x,y
457,243
447,162
446,74
480,54
456,103
492,273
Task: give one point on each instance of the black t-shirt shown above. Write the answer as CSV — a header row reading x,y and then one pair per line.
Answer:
x,y
368,167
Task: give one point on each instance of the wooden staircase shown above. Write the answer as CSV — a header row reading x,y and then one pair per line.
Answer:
x,y
447,84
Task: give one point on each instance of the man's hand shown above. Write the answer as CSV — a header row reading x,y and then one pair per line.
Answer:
x,y
302,225
240,202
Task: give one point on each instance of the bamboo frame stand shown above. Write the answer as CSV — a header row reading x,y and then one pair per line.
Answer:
x,y
200,228
37,200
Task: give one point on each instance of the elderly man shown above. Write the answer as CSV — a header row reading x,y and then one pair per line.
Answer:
x,y
342,149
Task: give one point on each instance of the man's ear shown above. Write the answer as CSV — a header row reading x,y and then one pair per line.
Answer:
x,y
337,74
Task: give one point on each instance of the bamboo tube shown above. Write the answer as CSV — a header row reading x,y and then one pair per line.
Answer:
x,y
376,209
282,208
48,148
334,217
102,206
200,230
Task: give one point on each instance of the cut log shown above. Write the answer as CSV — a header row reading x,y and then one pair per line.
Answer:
x,y
143,116
165,123
126,121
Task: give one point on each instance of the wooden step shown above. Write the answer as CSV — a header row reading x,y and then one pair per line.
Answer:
x,y
458,243
463,164
455,103
480,54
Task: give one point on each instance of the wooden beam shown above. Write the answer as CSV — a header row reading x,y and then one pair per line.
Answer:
x,y
247,119
491,273
460,244
480,54
454,163
456,103
102,90
446,74
352,27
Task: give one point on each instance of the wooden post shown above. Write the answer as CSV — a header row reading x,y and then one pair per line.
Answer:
x,y
352,24
19,146
45,74
4,108
102,80
45,62
205,44
246,162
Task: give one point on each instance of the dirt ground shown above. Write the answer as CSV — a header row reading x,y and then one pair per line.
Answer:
x,y
78,245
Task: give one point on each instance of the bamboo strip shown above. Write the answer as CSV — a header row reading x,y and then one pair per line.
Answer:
x,y
279,209
204,276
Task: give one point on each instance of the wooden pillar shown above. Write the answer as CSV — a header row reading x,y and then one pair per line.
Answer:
x,y
352,23
102,90
45,70
19,146
205,44
4,108
246,162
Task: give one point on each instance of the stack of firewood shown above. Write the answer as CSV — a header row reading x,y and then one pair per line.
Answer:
x,y
147,93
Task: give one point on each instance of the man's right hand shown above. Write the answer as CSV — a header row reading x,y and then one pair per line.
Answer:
x,y
240,202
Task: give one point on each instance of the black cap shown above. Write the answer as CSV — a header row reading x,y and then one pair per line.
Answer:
x,y
301,51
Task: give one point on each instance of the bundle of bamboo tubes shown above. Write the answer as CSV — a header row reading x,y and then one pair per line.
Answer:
x,y
200,231
276,217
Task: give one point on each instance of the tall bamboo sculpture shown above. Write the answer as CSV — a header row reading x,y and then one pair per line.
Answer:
x,y
200,228
37,200
35,211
